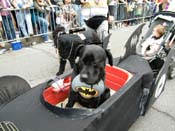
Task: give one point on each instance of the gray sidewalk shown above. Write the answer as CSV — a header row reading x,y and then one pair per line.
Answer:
x,y
39,63
36,63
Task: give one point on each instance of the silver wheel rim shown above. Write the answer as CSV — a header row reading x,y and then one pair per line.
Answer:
x,y
160,86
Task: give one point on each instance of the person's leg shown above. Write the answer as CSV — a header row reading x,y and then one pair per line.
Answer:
x,y
85,13
43,25
122,12
6,27
111,10
12,29
82,23
103,31
29,22
34,21
21,22
77,8
14,19
53,19
9,27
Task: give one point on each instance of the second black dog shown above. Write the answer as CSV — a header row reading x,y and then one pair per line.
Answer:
x,y
67,44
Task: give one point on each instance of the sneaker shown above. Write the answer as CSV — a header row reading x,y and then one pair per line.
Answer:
x,y
48,41
31,34
2,44
2,51
33,43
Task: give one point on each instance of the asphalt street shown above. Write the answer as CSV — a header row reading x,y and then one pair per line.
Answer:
x,y
39,63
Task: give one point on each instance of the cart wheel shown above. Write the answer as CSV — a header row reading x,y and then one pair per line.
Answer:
x,y
157,87
171,72
160,79
171,69
160,86
11,87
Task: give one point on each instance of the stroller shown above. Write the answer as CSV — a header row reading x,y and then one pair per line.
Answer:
x,y
162,64
157,61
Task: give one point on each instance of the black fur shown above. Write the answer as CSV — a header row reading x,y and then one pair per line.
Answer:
x,y
91,63
67,44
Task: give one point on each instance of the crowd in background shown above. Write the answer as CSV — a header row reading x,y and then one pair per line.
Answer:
x,y
25,18
131,11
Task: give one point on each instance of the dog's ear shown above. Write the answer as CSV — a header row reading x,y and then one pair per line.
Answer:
x,y
110,57
78,52
59,30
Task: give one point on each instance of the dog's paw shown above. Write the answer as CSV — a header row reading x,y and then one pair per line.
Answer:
x,y
59,73
69,105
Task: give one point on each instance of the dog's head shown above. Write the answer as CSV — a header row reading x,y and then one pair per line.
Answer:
x,y
91,63
56,33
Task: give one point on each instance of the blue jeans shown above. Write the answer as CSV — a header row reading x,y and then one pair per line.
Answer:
x,y
20,15
113,11
8,27
53,18
43,26
79,16
121,15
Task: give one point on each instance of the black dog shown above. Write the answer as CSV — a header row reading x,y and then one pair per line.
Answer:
x,y
67,44
91,68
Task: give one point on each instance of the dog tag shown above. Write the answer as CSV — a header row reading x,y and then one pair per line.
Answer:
x,y
82,37
85,90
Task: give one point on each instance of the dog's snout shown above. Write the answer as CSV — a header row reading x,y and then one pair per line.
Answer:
x,y
83,77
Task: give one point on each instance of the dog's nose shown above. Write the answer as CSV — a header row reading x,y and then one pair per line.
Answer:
x,y
83,77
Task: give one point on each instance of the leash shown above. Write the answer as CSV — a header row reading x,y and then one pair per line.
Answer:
x,y
72,45
69,51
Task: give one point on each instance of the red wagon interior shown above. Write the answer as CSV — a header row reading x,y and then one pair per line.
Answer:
x,y
116,78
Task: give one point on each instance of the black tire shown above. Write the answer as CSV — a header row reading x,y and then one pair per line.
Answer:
x,y
171,72
160,85
160,79
171,69
156,91
11,87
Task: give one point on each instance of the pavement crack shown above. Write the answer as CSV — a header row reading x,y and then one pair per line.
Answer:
x,y
165,113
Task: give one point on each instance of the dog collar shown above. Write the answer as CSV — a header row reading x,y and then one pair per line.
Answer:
x,y
86,90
